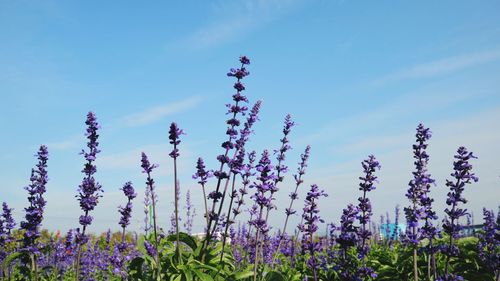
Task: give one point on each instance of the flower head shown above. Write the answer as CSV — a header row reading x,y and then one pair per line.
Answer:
x,y
174,137
34,212
89,191
126,212
201,175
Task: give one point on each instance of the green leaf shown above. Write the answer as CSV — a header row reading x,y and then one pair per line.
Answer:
x,y
184,238
274,276
202,276
242,275
135,268
10,258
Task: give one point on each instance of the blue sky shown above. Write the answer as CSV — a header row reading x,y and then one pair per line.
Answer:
x,y
356,76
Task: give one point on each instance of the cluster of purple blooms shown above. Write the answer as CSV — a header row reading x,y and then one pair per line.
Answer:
x,y
462,175
310,227
345,250
89,190
34,212
418,193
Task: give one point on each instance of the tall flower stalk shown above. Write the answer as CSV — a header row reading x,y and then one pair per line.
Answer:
x,y
34,212
148,168
301,170
489,245
119,256
366,185
89,190
310,226
174,137
190,214
232,132
7,224
420,208
462,176
237,165
261,198
348,238
126,212
202,175
246,174
281,156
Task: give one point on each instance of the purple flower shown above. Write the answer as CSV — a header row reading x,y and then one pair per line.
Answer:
x,y
348,238
34,213
89,190
488,245
366,185
8,221
462,176
395,234
126,212
190,213
174,135
239,73
7,224
310,226
244,60
418,193
201,175
265,182
246,172
281,168
147,169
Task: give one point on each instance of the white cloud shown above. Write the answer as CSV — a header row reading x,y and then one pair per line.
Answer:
x,y
70,142
441,67
235,18
156,113
158,153
480,133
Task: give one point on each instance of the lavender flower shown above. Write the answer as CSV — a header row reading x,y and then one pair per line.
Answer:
x,y
301,170
488,246
310,226
173,135
281,168
7,224
348,238
34,213
419,189
367,184
148,169
462,175
150,249
8,221
190,213
202,175
126,212
89,190
233,123
396,232
421,203
266,180
147,207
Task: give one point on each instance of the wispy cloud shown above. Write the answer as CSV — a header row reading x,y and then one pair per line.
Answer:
x,y
441,67
70,142
158,153
395,154
156,113
435,98
235,18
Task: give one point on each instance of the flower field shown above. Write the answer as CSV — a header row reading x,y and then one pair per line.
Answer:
x,y
417,245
